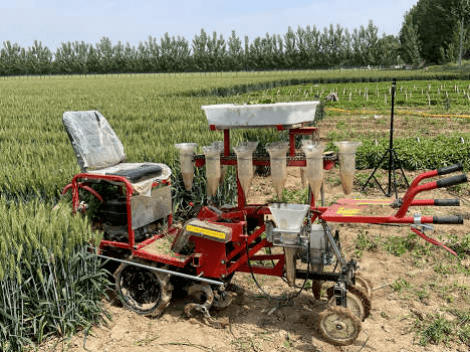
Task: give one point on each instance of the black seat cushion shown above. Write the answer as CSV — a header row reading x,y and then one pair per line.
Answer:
x,y
139,173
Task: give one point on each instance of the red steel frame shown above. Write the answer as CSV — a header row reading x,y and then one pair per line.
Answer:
x,y
244,247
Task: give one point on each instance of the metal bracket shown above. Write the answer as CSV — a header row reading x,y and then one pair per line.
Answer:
x,y
423,227
340,294
333,244
397,203
420,226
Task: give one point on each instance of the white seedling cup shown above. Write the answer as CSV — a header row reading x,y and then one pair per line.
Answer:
x,y
347,163
244,152
223,169
314,166
186,163
212,156
277,155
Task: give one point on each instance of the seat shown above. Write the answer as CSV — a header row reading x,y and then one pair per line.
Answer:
x,y
100,152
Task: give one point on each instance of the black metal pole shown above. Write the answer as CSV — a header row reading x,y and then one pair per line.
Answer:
x,y
390,163
392,157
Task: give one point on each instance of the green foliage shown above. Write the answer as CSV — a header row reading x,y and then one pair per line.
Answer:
x,y
430,153
49,281
186,204
304,48
435,331
400,284
400,245
364,242
410,43
436,23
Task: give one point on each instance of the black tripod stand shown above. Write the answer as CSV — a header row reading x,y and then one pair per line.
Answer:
x,y
393,159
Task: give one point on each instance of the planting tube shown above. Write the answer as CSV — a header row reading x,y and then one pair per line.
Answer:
x,y
186,163
244,152
347,163
289,219
277,155
223,169
212,155
314,168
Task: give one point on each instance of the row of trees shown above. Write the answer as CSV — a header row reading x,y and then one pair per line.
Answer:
x,y
304,48
436,31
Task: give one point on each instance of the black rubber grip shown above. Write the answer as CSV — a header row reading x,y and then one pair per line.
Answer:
x,y
447,202
450,181
449,169
456,219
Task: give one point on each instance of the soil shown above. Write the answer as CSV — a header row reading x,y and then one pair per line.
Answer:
x,y
255,323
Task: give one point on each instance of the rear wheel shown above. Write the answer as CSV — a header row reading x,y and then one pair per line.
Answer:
x,y
142,290
364,284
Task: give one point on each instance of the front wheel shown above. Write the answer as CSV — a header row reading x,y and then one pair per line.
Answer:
x,y
338,326
357,301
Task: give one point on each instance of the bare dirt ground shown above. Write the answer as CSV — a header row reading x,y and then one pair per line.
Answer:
x,y
255,323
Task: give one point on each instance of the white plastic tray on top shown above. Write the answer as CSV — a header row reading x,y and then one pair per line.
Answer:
x,y
227,116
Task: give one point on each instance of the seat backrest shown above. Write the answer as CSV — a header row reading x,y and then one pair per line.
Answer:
x,y
95,143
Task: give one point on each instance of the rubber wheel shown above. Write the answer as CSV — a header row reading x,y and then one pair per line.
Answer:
x,y
364,284
357,301
338,326
143,291
222,300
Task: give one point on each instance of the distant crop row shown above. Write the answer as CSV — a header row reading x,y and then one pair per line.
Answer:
x,y
152,112
432,96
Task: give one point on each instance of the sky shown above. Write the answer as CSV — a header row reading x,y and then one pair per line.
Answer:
x,y
53,22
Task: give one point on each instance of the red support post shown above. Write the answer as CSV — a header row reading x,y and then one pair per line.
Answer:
x,y
227,142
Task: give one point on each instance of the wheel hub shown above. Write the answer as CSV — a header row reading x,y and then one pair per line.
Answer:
x,y
340,325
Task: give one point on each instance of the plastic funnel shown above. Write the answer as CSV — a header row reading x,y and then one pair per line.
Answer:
x,y
347,163
314,168
212,155
223,169
186,163
289,216
277,155
244,152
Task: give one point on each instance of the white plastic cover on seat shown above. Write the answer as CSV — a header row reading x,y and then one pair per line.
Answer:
x,y
99,150
95,143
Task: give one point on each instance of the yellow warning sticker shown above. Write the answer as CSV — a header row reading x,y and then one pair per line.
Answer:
x,y
348,211
207,232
